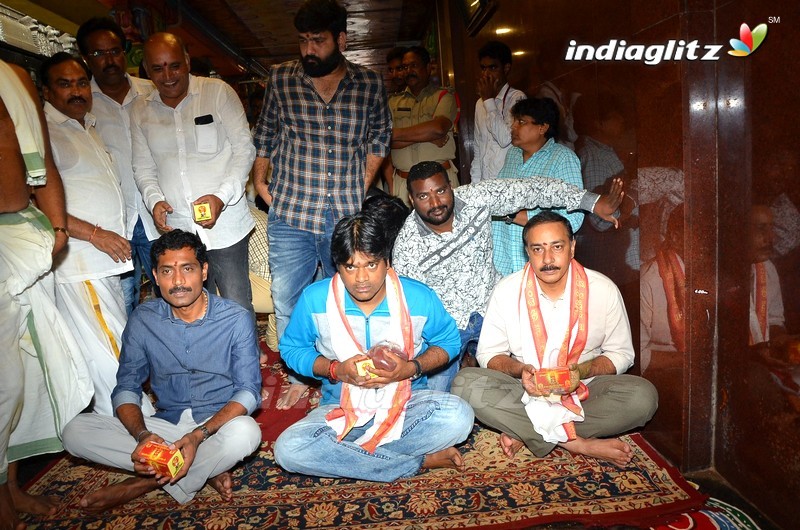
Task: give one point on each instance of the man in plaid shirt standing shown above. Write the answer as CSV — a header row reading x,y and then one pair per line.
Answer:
x,y
325,128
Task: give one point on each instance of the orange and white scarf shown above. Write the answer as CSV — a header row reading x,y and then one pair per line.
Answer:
x,y
759,330
553,416
358,405
673,278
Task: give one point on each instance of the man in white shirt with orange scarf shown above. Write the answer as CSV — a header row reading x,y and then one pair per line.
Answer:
x,y
374,424
554,314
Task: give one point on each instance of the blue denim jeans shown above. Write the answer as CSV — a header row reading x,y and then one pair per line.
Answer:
x,y
442,379
228,272
434,421
131,281
294,255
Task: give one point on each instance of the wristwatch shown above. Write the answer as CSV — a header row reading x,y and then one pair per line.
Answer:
x,y
206,435
508,219
418,371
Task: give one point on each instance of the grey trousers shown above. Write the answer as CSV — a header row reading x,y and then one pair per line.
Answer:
x,y
104,440
616,404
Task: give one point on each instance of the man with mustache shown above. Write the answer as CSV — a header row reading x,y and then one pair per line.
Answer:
x,y
200,355
553,351
447,241
192,154
423,116
102,44
325,128
87,274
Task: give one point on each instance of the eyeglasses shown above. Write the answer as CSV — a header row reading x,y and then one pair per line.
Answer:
x,y
113,52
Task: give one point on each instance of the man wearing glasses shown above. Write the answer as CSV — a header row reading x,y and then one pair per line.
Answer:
x,y
102,44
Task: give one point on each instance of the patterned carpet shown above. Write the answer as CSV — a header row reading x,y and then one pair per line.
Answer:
x,y
492,492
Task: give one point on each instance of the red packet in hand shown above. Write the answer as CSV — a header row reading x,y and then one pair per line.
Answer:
x,y
167,462
553,380
379,358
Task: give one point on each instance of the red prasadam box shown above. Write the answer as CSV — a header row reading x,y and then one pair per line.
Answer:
x,y
167,462
554,380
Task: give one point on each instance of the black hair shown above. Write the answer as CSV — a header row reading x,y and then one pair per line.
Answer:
x,y
542,110
388,211
396,53
98,24
176,240
316,16
543,217
495,50
422,53
359,233
424,170
55,60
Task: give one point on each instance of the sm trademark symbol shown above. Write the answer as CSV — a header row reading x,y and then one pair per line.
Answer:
x,y
774,20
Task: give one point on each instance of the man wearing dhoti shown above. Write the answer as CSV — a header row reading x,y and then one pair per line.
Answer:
x,y
552,315
88,291
377,424
43,381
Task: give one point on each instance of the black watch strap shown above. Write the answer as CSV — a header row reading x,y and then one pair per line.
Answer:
x,y
418,371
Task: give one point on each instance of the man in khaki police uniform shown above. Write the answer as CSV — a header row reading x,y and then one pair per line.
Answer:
x,y
423,116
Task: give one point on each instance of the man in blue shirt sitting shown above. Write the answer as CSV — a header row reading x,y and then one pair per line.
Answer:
x,y
373,423
200,354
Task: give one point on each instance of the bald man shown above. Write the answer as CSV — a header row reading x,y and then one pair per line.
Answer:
x,y
192,154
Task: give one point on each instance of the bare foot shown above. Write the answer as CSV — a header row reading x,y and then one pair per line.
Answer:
x,y
449,457
291,395
264,396
263,359
8,515
35,504
116,494
510,446
613,450
223,484
24,502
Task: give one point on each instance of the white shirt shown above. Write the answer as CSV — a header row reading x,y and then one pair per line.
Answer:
x,y
609,330
493,133
178,161
92,192
114,127
775,315
655,333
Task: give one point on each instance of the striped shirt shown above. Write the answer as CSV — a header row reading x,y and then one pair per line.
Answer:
x,y
319,150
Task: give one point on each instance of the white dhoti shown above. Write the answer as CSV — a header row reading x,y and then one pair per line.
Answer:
x,y
95,312
44,382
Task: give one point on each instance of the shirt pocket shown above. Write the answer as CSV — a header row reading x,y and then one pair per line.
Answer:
x,y
206,134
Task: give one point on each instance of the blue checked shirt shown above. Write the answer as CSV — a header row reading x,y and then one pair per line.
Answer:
x,y
319,150
552,160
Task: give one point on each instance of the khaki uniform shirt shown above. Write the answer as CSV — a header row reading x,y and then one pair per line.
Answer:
x,y
408,110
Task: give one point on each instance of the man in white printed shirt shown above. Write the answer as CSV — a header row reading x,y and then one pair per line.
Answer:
x,y
88,292
192,147
102,45
493,111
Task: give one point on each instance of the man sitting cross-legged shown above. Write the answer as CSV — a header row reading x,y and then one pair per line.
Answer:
x,y
200,354
554,313
384,424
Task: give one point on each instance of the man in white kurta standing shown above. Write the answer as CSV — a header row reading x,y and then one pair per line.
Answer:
x,y
102,45
88,292
192,147
554,314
